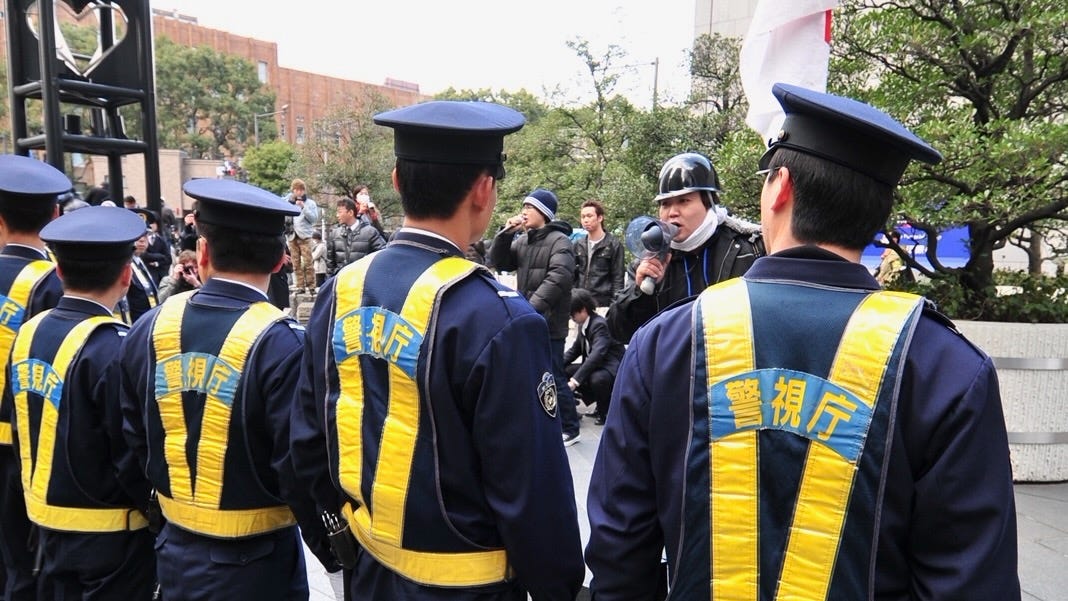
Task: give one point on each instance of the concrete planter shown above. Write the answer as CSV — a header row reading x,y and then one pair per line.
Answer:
x,y
1032,364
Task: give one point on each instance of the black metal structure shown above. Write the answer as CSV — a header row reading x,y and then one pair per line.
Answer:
x,y
121,75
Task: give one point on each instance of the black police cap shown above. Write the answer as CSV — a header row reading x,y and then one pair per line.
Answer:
x,y
94,233
846,132
451,132
148,216
23,179
239,206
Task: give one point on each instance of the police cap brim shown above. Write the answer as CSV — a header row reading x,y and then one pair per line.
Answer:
x,y
846,132
239,206
451,132
94,233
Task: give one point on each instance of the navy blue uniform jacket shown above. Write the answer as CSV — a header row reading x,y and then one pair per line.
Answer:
x,y
268,386
502,473
948,523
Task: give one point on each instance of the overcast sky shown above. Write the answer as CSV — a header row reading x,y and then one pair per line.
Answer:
x,y
466,43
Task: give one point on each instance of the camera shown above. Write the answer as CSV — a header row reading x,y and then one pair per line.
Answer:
x,y
188,269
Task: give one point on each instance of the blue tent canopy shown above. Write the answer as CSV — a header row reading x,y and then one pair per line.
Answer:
x,y
952,246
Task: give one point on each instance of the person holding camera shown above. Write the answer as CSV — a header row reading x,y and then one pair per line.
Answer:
x,y
184,277
300,239
710,246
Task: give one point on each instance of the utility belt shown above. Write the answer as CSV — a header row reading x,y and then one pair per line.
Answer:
x,y
434,568
226,523
83,519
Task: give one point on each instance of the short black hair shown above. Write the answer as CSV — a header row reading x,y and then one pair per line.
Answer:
x,y
582,299
27,217
347,203
435,190
240,251
90,275
833,204
597,206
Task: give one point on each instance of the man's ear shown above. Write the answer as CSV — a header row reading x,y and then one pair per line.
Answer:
x,y
393,177
482,191
783,189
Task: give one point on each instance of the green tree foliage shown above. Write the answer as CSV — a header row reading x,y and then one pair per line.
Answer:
x,y
987,84
346,149
206,101
268,165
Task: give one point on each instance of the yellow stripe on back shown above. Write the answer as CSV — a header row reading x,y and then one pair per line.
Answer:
x,y
860,367
733,459
12,314
349,411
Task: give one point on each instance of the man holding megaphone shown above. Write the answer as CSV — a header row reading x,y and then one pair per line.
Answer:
x,y
693,245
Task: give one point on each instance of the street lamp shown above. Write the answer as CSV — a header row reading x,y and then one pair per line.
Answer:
x,y
256,121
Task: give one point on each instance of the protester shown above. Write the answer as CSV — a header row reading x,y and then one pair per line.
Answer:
x,y
710,246
598,256
798,430
544,262
600,353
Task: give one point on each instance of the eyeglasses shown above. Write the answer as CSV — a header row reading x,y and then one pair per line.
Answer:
x,y
764,173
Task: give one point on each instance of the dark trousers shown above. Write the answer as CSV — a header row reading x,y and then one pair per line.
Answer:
x,y
596,389
15,532
565,400
194,567
103,566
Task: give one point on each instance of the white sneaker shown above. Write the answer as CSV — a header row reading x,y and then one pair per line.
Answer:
x,y
572,439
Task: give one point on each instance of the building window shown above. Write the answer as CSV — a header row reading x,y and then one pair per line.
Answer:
x,y
282,130
261,68
300,134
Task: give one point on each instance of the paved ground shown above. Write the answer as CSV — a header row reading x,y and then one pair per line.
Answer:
x,y
1041,511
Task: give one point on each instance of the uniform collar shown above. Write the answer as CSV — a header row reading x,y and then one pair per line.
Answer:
x,y
435,242
80,304
814,265
21,250
238,290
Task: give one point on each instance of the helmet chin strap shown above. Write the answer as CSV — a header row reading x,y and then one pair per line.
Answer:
x,y
713,217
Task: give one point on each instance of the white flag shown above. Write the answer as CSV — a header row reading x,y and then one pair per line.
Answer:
x,y
789,42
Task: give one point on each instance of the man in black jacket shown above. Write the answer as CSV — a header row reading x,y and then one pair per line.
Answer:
x,y
544,263
598,256
594,375
710,246
351,239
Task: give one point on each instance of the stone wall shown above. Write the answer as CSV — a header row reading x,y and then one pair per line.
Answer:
x,y
1032,364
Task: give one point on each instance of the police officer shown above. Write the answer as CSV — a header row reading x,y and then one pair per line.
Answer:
x,y
427,412
803,434
90,508
208,379
29,191
710,246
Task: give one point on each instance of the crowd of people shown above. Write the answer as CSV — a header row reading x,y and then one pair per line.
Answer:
x,y
775,424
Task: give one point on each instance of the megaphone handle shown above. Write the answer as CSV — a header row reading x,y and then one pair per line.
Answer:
x,y
648,286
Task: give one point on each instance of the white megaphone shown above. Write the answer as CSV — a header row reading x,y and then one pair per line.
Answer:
x,y
647,238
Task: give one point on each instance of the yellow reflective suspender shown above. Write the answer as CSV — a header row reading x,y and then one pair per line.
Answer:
x,y
12,313
396,338
733,460
46,379
195,504
828,477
